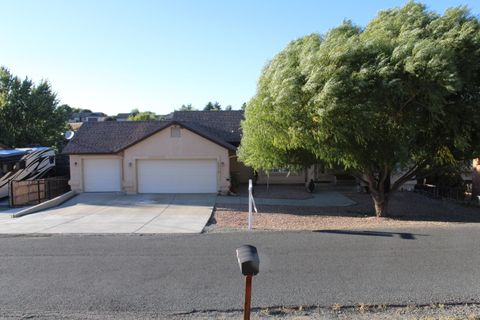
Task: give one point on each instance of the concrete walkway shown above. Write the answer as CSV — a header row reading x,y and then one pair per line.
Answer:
x,y
119,213
322,199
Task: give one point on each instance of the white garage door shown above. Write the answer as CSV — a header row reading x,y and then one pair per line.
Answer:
x,y
102,175
177,176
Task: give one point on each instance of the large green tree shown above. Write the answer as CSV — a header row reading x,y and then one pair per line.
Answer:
x,y
29,113
384,101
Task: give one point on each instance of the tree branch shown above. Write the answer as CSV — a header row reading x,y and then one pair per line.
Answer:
x,y
359,177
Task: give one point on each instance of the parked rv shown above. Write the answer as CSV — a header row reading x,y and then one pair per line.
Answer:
x,y
24,164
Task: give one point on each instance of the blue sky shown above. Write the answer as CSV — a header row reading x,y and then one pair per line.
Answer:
x,y
113,55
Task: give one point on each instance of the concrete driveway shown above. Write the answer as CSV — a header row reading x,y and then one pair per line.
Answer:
x,y
119,213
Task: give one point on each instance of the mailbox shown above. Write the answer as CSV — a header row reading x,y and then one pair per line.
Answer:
x,y
248,260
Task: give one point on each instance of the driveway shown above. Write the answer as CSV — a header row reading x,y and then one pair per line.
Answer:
x,y
119,213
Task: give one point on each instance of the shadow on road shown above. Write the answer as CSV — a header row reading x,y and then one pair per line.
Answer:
x,y
402,235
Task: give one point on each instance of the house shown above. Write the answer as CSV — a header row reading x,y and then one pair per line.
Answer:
x,y
87,117
123,116
193,152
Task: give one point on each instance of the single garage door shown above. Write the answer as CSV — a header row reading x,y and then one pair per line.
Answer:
x,y
177,176
102,175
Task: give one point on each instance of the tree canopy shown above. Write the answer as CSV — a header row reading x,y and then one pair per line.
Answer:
x,y
142,115
213,106
29,113
395,97
187,107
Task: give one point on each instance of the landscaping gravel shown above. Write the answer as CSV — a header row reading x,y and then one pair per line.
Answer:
x,y
407,209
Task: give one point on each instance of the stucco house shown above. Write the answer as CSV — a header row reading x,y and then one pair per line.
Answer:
x,y
87,117
194,152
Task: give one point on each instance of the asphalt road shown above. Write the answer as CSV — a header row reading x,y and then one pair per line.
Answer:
x,y
183,273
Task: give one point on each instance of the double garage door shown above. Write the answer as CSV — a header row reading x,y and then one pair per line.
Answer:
x,y
177,176
153,176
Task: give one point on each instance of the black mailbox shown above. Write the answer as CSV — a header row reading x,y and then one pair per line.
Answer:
x,y
248,260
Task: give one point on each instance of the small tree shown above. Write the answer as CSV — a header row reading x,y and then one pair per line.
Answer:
x,y
212,106
384,101
187,107
142,116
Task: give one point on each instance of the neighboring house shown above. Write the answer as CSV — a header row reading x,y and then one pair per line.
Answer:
x,y
87,117
194,152
74,126
123,116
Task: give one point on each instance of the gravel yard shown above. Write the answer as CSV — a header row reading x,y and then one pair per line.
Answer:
x,y
406,208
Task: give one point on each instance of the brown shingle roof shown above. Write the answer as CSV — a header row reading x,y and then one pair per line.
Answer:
x,y
112,137
224,124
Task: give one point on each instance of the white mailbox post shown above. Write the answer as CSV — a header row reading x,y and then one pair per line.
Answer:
x,y
251,204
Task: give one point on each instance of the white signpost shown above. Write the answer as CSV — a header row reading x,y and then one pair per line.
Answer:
x,y
251,203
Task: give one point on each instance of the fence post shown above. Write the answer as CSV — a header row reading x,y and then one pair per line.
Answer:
x,y
250,204
38,191
11,195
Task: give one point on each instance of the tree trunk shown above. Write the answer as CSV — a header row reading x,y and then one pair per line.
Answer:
x,y
381,205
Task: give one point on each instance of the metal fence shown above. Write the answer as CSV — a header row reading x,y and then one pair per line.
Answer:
x,y
31,192
462,194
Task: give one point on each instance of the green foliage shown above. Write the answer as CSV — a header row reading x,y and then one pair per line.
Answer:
x,y
395,96
215,106
187,107
134,112
142,116
29,113
244,105
228,108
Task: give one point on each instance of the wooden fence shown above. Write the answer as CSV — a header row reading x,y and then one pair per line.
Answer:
x,y
31,192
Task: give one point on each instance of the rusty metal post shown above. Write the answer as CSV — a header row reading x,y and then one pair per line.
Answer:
x,y
248,297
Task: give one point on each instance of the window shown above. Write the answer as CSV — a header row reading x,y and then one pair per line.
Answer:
x,y
20,164
175,132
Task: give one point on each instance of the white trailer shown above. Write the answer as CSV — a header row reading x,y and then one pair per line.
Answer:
x,y
24,164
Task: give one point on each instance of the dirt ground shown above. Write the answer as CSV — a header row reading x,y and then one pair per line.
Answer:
x,y
407,209
358,312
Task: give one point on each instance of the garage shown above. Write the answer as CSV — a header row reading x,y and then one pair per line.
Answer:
x,y
177,176
102,175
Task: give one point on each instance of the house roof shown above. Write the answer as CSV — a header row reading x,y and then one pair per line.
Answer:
x,y
112,137
123,115
87,114
224,124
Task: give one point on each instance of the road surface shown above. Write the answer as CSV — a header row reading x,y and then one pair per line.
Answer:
x,y
170,274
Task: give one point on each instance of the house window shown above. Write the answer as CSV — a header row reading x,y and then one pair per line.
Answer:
x,y
175,132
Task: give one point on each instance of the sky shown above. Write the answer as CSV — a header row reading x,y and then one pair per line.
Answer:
x,y
114,56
